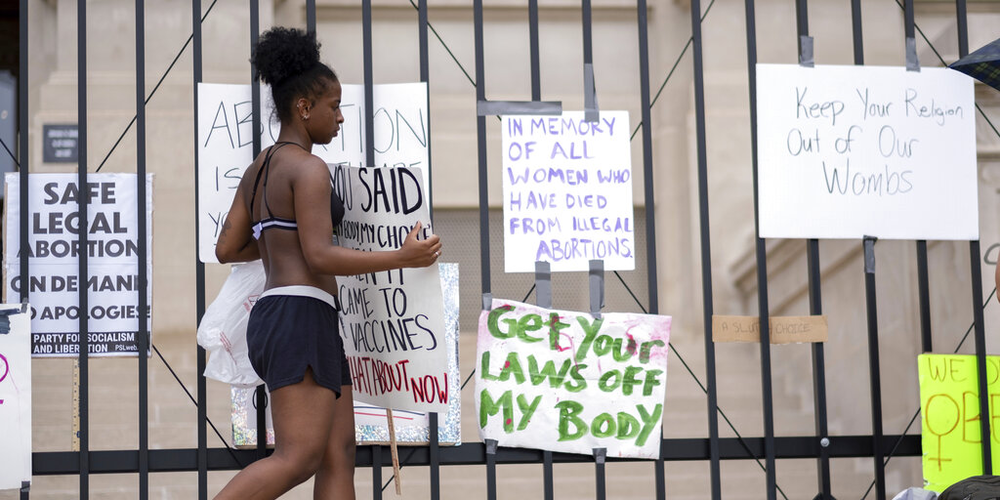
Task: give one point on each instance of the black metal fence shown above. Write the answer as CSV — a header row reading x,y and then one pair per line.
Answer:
x,y
766,448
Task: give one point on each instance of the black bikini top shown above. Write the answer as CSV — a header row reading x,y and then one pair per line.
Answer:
x,y
336,206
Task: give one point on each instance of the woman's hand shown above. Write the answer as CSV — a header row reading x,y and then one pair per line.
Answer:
x,y
419,253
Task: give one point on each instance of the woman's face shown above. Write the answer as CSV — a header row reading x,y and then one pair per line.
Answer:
x,y
325,116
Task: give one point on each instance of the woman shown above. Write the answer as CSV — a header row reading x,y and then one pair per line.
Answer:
x,y
284,212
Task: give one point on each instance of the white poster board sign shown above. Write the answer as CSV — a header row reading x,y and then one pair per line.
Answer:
x,y
15,397
567,192
370,422
854,151
225,141
566,381
112,253
393,321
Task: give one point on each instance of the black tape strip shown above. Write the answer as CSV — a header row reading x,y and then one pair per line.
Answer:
x,y
543,284
591,112
806,51
912,61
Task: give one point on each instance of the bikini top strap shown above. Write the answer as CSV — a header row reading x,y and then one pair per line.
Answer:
x,y
265,166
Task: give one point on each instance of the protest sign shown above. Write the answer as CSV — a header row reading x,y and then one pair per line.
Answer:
x,y
567,192
783,329
854,151
225,141
15,397
393,321
412,428
112,250
566,381
949,408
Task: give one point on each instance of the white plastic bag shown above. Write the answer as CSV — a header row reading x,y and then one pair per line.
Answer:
x,y
223,329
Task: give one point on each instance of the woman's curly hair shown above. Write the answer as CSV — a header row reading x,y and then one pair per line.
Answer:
x,y
287,59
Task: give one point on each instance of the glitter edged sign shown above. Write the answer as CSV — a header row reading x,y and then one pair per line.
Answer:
x,y
566,381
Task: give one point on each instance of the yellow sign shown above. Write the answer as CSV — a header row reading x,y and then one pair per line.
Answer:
x,y
949,409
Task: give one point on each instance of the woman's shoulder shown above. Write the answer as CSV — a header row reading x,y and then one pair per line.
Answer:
x,y
309,167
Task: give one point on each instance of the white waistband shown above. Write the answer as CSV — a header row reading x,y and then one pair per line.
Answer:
x,y
303,291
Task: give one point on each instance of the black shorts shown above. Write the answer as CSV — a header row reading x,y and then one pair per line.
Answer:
x,y
294,328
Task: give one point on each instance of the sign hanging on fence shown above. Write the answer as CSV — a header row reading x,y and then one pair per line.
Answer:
x,y
567,192
370,425
949,409
566,381
854,151
225,141
15,397
393,321
112,250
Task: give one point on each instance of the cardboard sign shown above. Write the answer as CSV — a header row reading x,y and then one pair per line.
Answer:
x,y
112,251
566,381
393,321
784,329
567,192
854,151
225,141
949,409
412,428
15,397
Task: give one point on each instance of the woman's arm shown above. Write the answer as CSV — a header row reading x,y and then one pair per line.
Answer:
x,y
236,243
996,278
312,193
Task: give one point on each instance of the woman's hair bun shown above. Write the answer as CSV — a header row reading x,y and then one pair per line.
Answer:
x,y
282,53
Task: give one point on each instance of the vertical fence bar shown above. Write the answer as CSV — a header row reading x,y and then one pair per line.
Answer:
x,y
23,144
924,292
873,368
376,472
23,164
819,375
199,266
977,298
588,36
260,394
143,322
816,308
366,35
648,197
82,237
879,464
434,447
961,14
706,251
975,257
923,281
548,472
484,197
311,16
491,466
425,76
536,71
761,252
908,23
484,215
600,478
858,38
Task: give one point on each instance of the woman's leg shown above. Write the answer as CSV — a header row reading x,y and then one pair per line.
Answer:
x,y
302,414
335,477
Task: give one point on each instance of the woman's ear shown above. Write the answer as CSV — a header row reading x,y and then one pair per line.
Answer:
x,y
302,107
